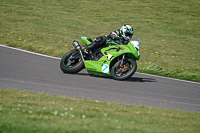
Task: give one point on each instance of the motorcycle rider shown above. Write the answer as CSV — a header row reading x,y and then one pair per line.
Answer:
x,y
122,36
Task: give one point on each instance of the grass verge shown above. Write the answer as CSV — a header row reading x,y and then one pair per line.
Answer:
x,y
26,112
169,29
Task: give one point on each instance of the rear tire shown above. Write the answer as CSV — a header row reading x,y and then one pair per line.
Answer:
x,y
71,67
123,73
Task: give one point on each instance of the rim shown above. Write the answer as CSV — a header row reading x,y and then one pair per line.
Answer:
x,y
124,69
68,64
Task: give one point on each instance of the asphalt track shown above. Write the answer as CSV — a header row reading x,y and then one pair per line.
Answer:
x,y
39,73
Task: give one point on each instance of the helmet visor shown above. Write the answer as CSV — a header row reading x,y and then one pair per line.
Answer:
x,y
128,34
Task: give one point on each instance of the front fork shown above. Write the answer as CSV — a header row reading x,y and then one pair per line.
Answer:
x,y
122,61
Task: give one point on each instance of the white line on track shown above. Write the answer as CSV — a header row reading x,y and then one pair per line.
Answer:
x,y
60,58
30,52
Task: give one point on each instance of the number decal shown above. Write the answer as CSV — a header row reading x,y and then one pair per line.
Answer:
x,y
105,68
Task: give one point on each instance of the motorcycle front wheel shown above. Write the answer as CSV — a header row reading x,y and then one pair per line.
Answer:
x,y
71,63
123,71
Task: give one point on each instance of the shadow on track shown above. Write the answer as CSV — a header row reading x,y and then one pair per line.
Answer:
x,y
131,79
138,79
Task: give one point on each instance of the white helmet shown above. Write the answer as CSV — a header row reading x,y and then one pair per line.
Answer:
x,y
127,32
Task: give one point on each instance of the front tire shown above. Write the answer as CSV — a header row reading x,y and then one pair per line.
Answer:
x,y
71,65
124,72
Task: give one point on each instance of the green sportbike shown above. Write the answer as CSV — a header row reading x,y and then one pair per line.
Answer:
x,y
113,59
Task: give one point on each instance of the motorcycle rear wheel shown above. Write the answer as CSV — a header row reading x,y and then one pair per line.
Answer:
x,y
70,65
124,72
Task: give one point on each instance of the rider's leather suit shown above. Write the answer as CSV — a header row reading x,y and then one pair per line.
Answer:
x,y
100,41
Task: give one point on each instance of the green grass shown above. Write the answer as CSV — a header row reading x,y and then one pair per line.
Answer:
x,y
26,112
169,29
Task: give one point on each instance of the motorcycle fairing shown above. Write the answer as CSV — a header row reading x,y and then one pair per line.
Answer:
x,y
102,66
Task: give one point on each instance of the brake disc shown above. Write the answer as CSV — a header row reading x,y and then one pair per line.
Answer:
x,y
122,69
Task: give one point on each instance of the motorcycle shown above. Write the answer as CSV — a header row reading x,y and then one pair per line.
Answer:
x,y
115,59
